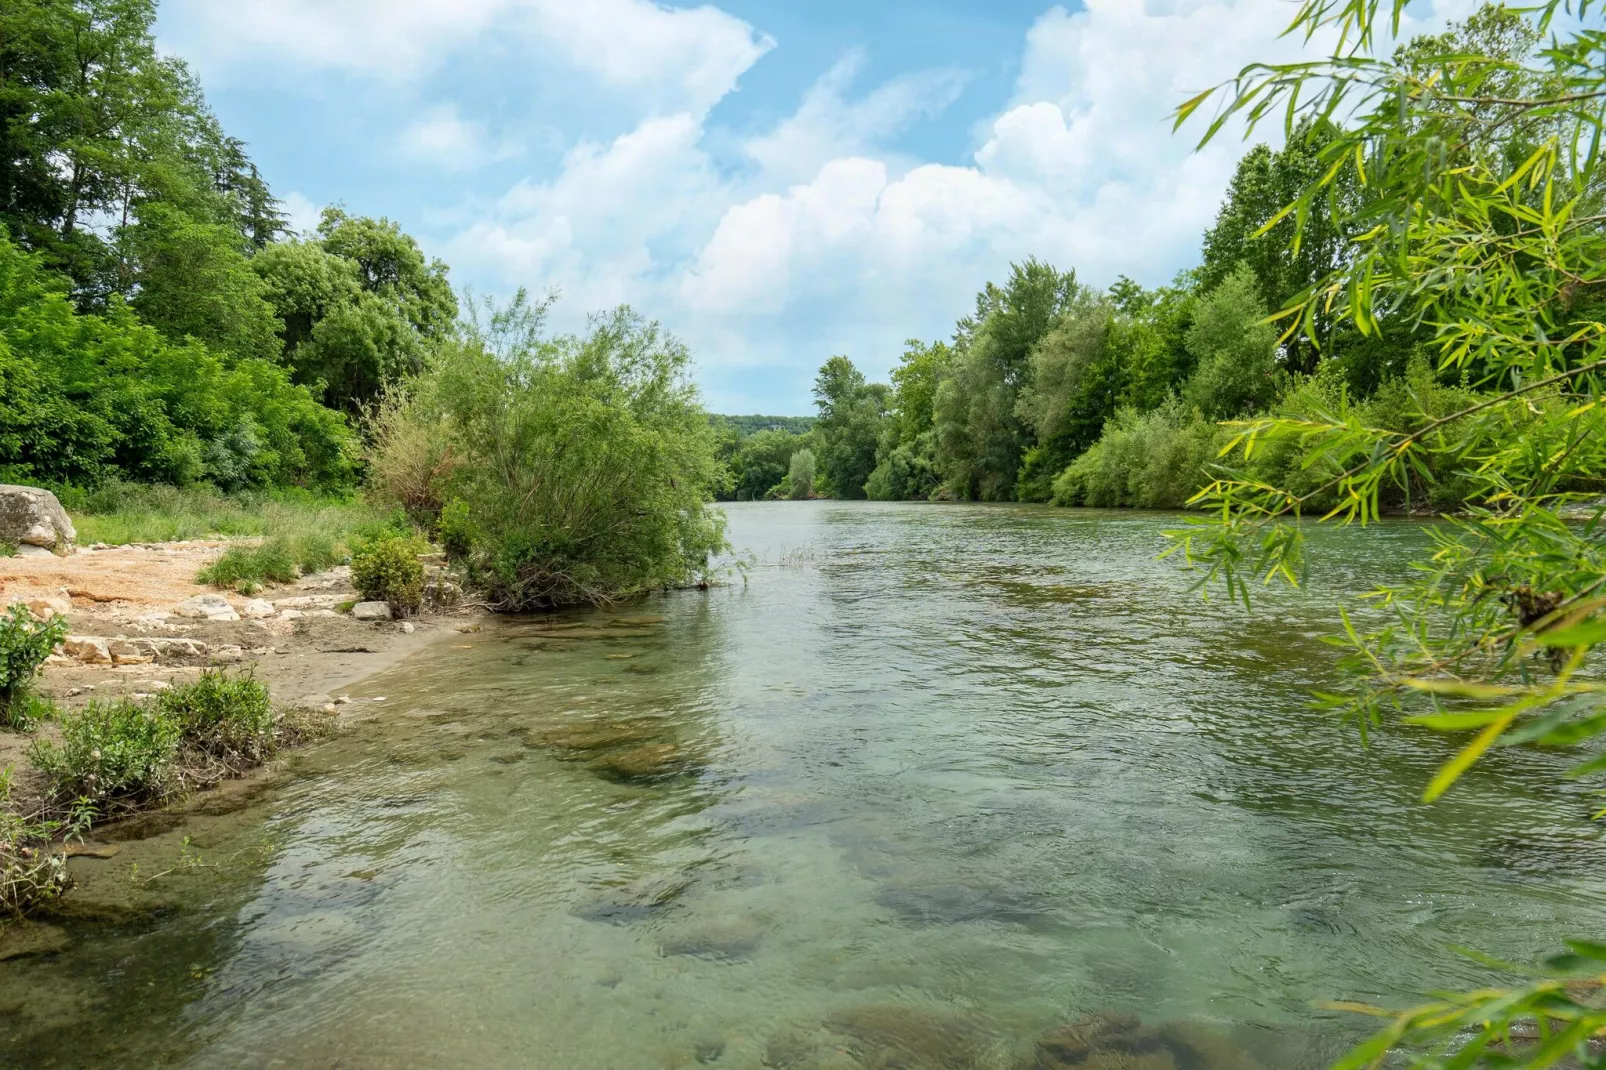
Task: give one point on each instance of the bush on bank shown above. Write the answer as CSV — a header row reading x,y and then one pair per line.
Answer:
x,y
119,755
583,463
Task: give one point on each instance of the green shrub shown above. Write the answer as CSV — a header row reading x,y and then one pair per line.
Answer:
x,y
387,570
1151,460
222,718
586,462
113,755
456,530
800,475
25,643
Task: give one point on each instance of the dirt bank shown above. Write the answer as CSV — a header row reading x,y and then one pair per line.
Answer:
x,y
300,643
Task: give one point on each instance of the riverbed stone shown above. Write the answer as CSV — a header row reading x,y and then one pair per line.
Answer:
x,y
25,939
49,607
206,607
32,517
372,611
892,1035
257,609
727,940
89,649
653,761
307,601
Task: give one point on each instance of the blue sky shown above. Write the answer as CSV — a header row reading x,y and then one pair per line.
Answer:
x,y
776,182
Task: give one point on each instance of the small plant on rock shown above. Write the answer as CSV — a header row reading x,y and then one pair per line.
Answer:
x,y
387,570
25,642
113,755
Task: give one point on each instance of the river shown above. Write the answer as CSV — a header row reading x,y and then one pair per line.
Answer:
x,y
931,783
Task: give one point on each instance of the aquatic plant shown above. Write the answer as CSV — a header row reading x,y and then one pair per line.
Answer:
x,y
31,870
225,721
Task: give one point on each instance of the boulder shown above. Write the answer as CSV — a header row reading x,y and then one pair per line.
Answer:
x,y
257,609
33,517
87,649
132,651
207,607
228,653
46,608
372,611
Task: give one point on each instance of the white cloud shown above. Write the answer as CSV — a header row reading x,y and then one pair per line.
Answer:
x,y
442,137
1081,169
827,125
593,229
303,215
685,57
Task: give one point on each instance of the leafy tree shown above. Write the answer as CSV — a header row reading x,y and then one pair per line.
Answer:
x,y
95,124
852,413
196,282
84,397
978,434
1498,251
1237,372
905,456
359,309
800,475
761,461
586,461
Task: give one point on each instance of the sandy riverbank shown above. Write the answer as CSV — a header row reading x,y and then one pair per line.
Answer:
x,y
306,651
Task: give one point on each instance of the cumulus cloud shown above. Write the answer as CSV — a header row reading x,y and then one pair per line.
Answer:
x,y
828,125
442,137
688,56
1080,169
301,213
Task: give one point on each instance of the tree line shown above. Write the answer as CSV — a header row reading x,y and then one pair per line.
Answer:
x,y
1052,390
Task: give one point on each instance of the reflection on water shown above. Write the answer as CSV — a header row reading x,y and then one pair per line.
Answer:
x,y
960,787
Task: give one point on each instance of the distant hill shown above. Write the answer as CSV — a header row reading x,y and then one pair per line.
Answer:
x,y
746,425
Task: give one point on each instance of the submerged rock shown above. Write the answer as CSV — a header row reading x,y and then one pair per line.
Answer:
x,y
589,736
891,1036
1112,1040
722,941
25,939
655,761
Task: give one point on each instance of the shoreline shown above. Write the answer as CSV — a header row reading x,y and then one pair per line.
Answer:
x,y
131,636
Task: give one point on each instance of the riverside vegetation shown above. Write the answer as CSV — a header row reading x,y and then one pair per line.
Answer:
x,y
1398,309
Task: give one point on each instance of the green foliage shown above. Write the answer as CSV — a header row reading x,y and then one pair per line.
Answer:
x,y
849,427
800,475
247,568
1144,460
387,570
586,461
30,872
456,529
1237,371
113,755
1481,220
223,719
979,437
84,398
745,426
25,643
759,463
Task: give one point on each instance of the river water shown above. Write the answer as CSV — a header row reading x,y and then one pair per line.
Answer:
x,y
932,783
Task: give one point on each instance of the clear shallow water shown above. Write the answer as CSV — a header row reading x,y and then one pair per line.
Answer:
x,y
935,782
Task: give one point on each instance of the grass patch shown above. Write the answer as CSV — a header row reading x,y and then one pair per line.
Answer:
x,y
122,755
121,513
